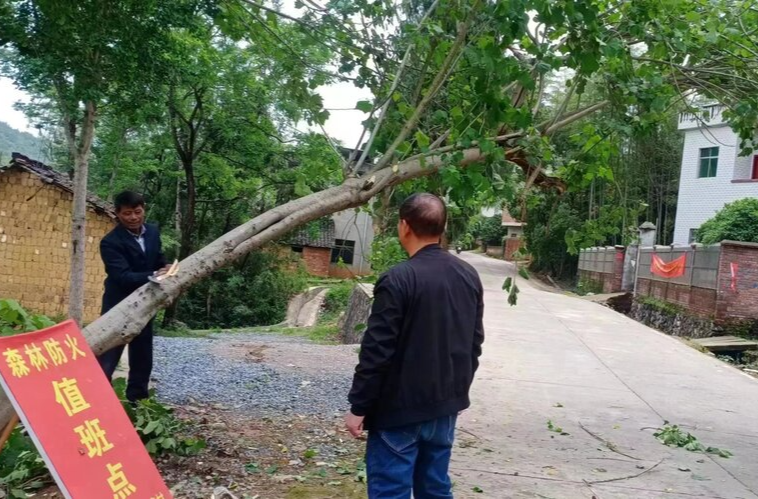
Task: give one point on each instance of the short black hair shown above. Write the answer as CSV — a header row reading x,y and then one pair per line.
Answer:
x,y
128,199
425,213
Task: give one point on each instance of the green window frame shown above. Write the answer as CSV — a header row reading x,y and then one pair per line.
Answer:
x,y
709,162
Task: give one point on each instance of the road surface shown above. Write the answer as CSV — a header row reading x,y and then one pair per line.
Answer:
x,y
605,381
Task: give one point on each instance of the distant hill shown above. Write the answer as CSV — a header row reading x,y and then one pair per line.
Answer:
x,y
12,140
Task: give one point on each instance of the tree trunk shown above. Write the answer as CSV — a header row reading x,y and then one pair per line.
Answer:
x,y
79,216
126,320
78,240
187,225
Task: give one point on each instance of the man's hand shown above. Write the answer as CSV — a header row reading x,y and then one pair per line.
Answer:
x,y
162,271
354,424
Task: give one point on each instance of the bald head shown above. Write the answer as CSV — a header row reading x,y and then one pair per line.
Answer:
x,y
425,214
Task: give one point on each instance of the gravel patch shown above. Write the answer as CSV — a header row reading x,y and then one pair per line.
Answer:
x,y
259,374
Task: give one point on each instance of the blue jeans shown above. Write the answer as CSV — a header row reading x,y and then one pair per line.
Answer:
x,y
414,457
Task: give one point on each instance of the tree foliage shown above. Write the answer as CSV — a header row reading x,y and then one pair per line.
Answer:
x,y
460,106
737,221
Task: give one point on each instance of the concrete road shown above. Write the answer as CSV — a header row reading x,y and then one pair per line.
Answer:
x,y
605,380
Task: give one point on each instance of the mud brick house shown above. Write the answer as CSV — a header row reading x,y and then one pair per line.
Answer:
x,y
35,231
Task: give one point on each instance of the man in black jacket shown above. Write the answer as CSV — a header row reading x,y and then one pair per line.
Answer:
x,y
131,253
417,360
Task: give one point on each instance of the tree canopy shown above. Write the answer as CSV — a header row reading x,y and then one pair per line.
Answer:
x,y
532,102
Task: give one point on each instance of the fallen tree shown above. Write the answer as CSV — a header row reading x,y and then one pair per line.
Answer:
x,y
467,88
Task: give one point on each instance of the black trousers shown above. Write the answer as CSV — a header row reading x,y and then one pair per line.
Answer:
x,y
140,363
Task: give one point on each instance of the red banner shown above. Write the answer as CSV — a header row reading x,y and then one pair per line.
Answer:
x,y
670,270
74,417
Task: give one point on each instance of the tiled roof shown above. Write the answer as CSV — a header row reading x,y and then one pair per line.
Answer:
x,y
317,234
50,176
508,220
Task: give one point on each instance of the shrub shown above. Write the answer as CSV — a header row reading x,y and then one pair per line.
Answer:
x,y
337,297
737,221
156,425
253,293
386,252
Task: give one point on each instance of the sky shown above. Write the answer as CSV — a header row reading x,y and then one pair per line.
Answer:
x,y
9,95
342,126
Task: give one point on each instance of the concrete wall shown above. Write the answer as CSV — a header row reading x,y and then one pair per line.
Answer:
x,y
603,267
701,198
352,225
35,253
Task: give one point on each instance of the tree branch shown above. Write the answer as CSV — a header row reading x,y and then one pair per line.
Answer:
x,y
393,87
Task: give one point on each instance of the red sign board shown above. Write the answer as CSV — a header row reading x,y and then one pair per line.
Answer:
x,y
71,411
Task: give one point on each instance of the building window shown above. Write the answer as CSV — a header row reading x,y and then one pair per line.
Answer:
x,y
344,250
297,249
693,236
709,161
755,168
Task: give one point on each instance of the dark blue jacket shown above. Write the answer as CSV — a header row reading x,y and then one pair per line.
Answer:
x,y
422,345
126,265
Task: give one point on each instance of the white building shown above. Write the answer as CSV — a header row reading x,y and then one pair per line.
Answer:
x,y
713,173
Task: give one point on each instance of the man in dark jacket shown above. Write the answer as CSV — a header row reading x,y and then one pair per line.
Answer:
x,y
417,360
131,253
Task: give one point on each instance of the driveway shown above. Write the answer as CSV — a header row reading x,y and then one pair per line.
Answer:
x,y
604,381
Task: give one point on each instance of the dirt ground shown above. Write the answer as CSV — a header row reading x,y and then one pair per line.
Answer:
x,y
276,458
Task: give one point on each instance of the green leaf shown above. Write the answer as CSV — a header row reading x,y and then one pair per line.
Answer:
x,y
507,283
364,105
478,490
422,140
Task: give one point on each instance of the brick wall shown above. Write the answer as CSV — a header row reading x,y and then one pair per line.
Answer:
x,y
700,301
35,233
512,245
740,301
317,260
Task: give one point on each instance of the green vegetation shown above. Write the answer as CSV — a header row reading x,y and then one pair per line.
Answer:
x,y
12,140
157,426
386,252
737,221
15,320
660,305
674,436
587,286
251,293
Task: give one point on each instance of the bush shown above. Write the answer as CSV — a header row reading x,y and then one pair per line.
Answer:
x,y
386,252
253,293
156,425
491,231
337,298
737,221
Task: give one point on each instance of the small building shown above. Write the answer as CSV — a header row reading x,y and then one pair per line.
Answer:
x,y
513,240
35,234
713,171
337,246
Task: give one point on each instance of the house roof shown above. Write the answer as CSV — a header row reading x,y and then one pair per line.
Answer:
x,y
50,176
508,220
317,234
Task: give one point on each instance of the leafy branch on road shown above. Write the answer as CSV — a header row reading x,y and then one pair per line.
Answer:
x,y
509,286
673,436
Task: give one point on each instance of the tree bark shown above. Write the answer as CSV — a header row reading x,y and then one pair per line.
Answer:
x,y
79,215
126,320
